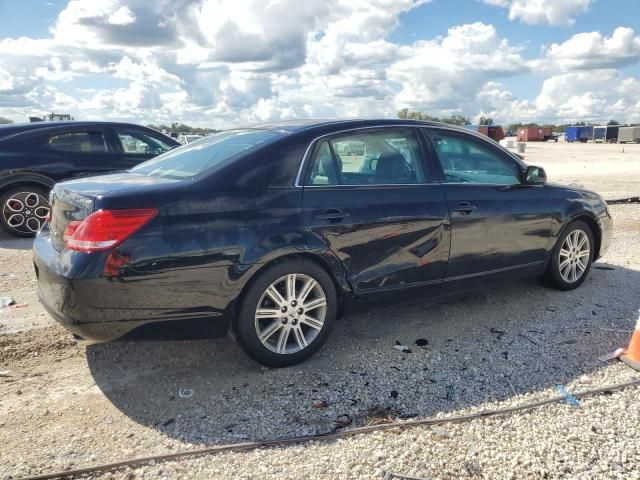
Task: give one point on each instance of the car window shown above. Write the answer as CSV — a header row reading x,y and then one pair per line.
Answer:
x,y
385,157
467,161
138,142
80,142
207,153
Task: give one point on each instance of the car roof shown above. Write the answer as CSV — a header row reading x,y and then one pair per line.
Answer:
x,y
294,126
11,129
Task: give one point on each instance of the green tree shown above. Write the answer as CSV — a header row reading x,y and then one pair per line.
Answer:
x,y
486,121
4,121
613,122
456,120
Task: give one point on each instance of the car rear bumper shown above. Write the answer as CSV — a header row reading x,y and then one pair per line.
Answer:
x,y
74,290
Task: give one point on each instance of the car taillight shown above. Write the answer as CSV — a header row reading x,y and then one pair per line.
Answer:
x,y
105,229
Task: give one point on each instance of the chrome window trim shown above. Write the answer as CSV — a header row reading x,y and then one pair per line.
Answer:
x,y
459,130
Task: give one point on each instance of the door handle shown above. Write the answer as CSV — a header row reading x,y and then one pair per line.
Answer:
x,y
333,215
465,208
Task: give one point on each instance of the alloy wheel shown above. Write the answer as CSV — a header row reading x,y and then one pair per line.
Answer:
x,y
25,212
291,313
574,256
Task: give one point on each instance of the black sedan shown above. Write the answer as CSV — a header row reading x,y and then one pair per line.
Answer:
x,y
34,156
269,228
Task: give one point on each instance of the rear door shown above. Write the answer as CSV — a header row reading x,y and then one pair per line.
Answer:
x,y
135,146
76,152
497,222
372,200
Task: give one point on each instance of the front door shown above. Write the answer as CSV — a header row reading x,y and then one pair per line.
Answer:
x,y
368,198
497,222
136,146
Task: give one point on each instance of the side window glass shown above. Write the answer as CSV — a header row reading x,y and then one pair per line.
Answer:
x,y
78,142
466,161
323,170
389,156
136,143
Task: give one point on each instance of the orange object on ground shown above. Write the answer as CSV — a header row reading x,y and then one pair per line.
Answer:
x,y
631,355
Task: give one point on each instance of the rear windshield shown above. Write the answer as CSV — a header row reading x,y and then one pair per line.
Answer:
x,y
204,154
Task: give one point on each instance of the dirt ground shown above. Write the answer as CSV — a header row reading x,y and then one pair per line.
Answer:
x,y
64,405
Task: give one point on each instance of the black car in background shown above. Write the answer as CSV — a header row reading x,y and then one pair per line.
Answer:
x,y
34,156
268,228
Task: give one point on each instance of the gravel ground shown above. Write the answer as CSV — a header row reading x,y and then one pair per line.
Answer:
x,y
66,406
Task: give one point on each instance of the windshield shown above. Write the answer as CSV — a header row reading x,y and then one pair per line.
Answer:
x,y
204,154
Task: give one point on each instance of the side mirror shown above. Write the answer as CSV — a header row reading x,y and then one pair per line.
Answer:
x,y
535,176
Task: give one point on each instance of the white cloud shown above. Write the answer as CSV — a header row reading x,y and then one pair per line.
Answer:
x,y
122,16
220,63
437,73
594,50
552,12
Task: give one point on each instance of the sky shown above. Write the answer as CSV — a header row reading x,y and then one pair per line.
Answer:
x,y
221,63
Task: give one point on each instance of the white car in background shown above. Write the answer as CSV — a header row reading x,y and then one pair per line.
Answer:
x,y
188,138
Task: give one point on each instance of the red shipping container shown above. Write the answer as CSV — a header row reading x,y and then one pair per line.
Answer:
x,y
533,134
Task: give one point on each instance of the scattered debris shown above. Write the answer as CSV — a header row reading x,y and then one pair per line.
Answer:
x,y
422,342
473,468
512,387
343,420
391,476
168,422
5,373
321,405
450,393
532,341
402,348
185,393
499,332
570,399
394,394
602,267
441,433
6,302
611,355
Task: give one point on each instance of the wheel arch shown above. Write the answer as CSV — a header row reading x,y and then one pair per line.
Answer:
x,y
328,262
19,180
592,221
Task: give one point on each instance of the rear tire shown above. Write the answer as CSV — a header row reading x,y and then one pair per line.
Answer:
x,y
23,210
571,257
287,313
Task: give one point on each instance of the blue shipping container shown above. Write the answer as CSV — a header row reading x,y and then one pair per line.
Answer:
x,y
579,133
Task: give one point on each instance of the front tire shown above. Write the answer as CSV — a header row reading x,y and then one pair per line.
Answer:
x,y
571,257
23,210
287,313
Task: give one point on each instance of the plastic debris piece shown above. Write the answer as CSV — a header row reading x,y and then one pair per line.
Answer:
x,y
570,399
422,342
394,394
6,302
19,305
5,373
185,393
402,348
343,420
611,355
450,392
321,405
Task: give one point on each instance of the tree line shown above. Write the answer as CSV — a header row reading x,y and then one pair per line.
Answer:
x,y
461,120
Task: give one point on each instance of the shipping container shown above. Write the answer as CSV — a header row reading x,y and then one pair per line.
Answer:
x,y
600,134
493,131
534,134
629,134
579,133
612,133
